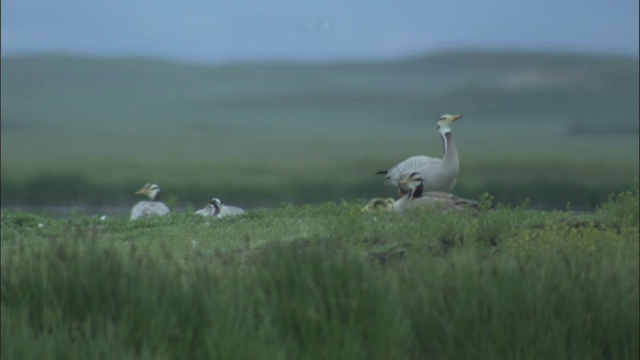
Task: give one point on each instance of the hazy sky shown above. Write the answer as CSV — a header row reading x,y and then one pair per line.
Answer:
x,y
214,31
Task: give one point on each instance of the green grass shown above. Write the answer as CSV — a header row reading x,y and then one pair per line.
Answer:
x,y
555,128
325,281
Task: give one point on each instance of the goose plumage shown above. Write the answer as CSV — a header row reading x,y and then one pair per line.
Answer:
x,y
216,209
434,200
149,208
438,174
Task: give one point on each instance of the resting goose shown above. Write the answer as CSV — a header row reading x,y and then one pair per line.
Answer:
x,y
149,208
216,209
438,174
435,200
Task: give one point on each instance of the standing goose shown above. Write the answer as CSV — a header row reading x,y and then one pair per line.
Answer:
x,y
438,174
149,208
436,200
216,209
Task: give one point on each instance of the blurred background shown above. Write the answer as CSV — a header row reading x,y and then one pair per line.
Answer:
x,y
261,103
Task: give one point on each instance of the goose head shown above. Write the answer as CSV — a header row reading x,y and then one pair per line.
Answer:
x,y
217,205
445,121
150,190
414,182
378,205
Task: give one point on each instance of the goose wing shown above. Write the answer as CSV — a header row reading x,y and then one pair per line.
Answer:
x,y
415,163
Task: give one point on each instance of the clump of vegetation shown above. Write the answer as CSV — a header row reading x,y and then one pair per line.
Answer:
x,y
622,210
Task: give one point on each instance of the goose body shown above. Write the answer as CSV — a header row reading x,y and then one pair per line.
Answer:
x,y
216,209
433,200
149,208
437,174
436,200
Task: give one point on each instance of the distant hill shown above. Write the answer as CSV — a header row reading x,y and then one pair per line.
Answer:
x,y
495,84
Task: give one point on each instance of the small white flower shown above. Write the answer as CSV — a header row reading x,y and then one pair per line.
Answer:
x,y
103,217
41,225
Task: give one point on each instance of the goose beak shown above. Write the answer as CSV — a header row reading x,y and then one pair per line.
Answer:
x,y
141,191
455,117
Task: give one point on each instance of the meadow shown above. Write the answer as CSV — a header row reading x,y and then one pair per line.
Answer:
x,y
325,281
557,129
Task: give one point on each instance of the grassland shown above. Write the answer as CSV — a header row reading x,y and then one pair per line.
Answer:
x,y
305,274
553,128
324,282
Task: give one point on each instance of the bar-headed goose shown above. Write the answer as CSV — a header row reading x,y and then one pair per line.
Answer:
x,y
435,200
149,208
216,209
438,174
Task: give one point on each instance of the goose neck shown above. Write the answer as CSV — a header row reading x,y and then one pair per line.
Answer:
x,y
417,192
216,209
450,153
